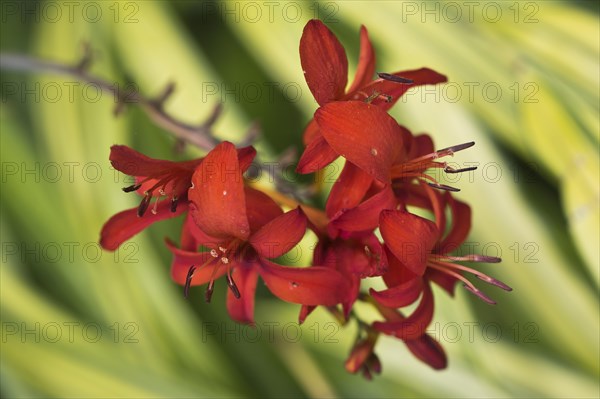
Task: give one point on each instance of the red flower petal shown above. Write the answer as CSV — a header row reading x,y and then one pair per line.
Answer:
x,y
409,237
429,351
183,260
197,235
260,208
349,189
313,285
304,312
311,132
280,235
242,309
246,156
461,225
366,62
423,76
323,61
126,224
397,273
400,295
366,215
422,144
413,326
363,134
218,194
189,231
316,156
133,163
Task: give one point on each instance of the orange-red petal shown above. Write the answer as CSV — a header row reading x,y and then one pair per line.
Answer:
x,y
349,189
410,238
133,163
316,156
242,309
280,235
324,62
313,285
461,225
126,224
429,351
366,215
218,194
414,325
363,134
260,208
400,295
366,62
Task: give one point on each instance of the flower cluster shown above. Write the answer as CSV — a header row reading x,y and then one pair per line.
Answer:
x,y
368,229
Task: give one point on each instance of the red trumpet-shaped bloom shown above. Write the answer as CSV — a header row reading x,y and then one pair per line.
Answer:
x,y
325,67
372,140
243,229
154,179
418,253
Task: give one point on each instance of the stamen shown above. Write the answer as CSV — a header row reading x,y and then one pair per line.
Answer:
x,y
131,188
456,148
449,169
475,258
233,287
188,280
174,202
155,207
443,187
467,284
394,78
372,97
476,273
480,294
144,204
209,291
493,281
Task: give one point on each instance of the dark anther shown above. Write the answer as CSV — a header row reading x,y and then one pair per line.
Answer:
x,y
209,291
449,169
144,205
132,188
233,287
174,202
444,187
394,78
188,280
458,147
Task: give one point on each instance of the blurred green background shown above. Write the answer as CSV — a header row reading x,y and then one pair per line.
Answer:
x,y
79,322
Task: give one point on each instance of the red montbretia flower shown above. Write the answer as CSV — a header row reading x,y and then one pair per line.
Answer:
x,y
235,228
325,67
154,179
371,139
243,229
418,253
